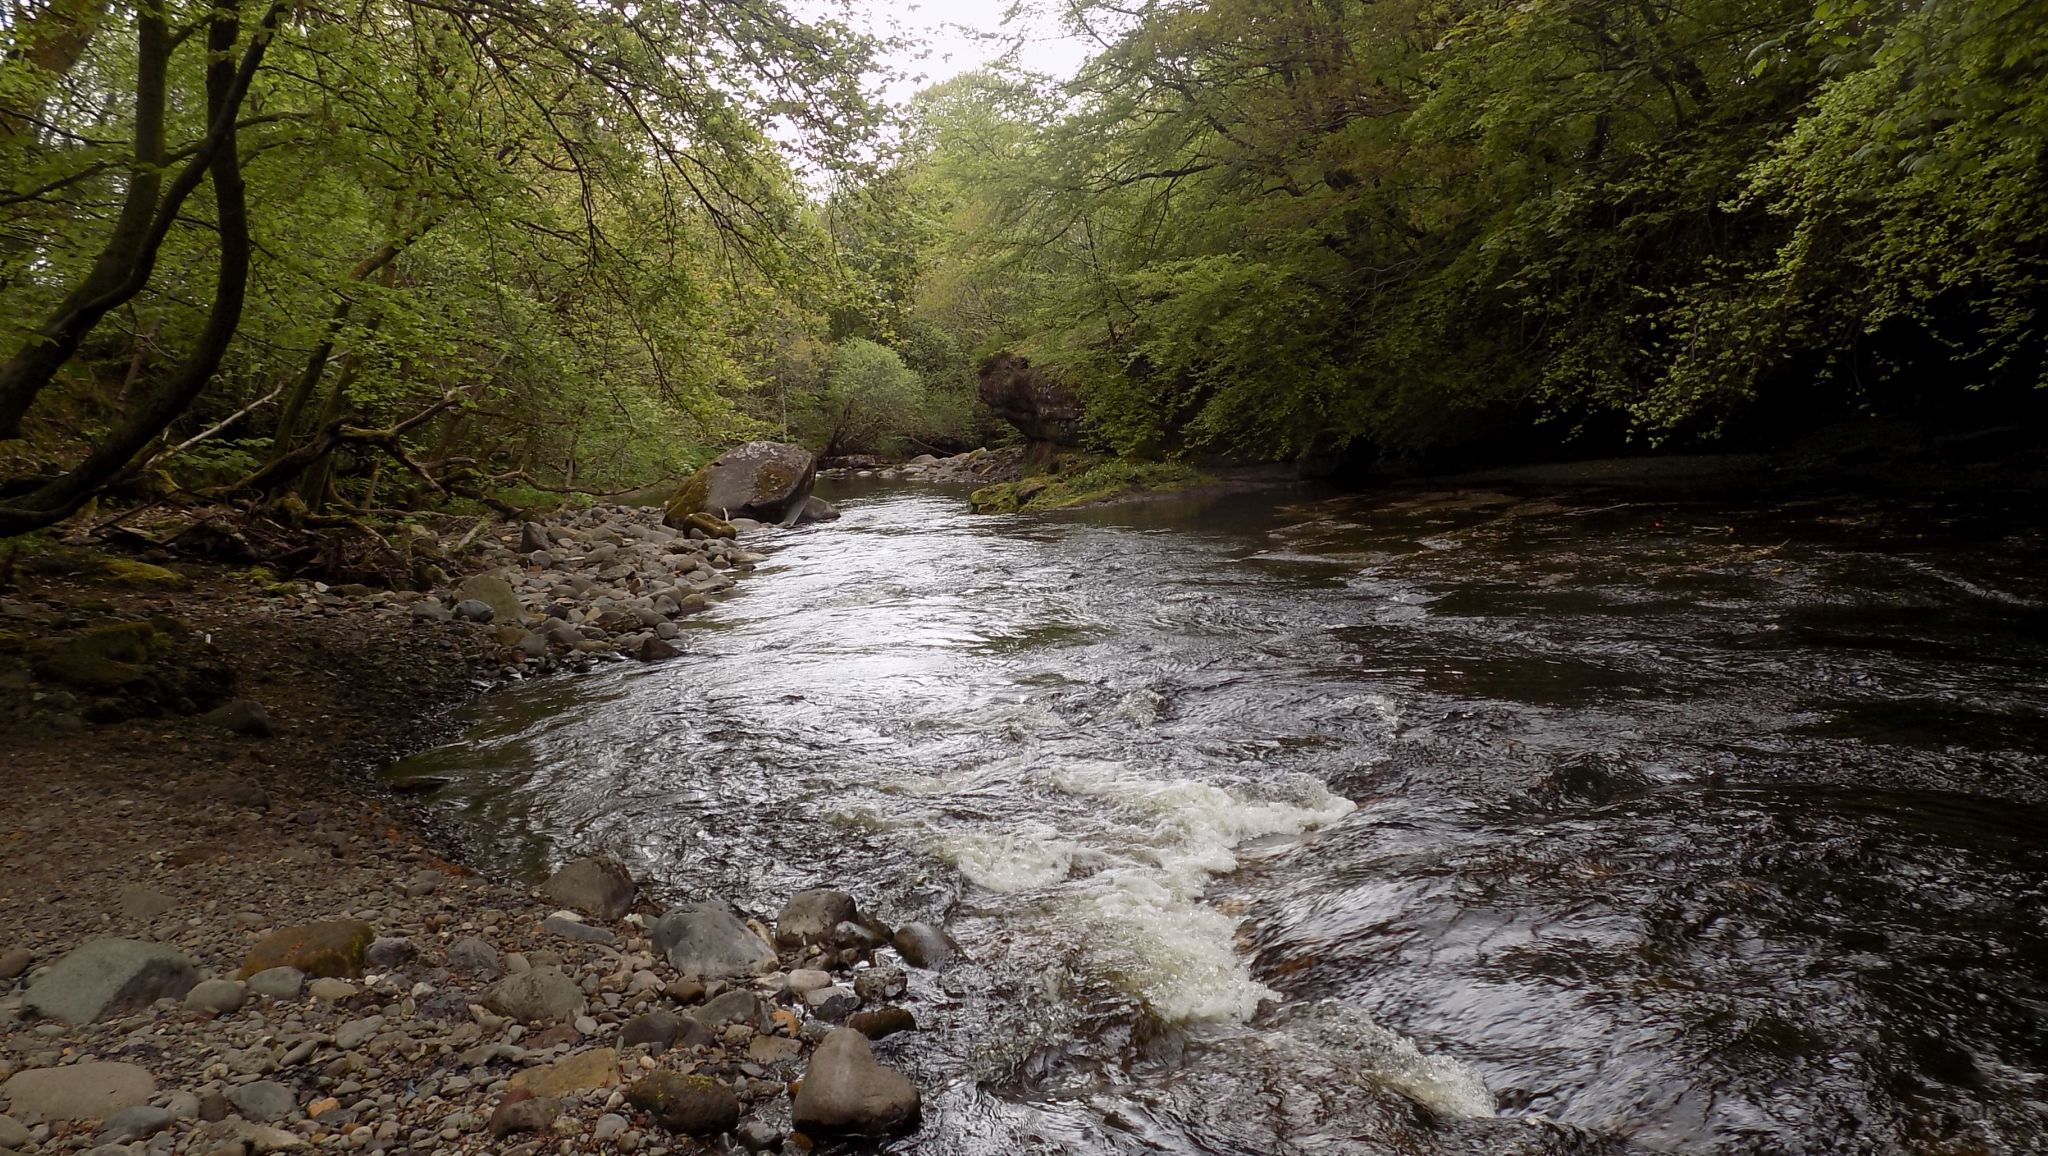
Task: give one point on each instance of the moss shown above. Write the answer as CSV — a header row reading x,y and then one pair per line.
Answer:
x,y
690,498
1085,484
139,575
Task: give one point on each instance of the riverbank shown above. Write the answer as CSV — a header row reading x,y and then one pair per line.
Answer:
x,y
222,790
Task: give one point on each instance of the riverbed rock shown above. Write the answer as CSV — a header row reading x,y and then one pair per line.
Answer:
x,y
815,509
732,1007
582,1072
810,917
767,481
472,956
143,904
707,941
523,1113
215,996
333,948
244,717
14,961
688,1105
884,1021
659,1031
89,1091
847,1090
495,593
594,886
131,1124
474,610
880,983
922,945
105,977
542,995
265,1102
278,982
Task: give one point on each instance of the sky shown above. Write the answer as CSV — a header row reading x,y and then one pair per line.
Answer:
x,y
960,35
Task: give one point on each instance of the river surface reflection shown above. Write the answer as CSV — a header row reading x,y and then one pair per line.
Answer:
x,y
1425,822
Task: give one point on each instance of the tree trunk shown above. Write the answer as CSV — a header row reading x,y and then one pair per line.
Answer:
x,y
225,85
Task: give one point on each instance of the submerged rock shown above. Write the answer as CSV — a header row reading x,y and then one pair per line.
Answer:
x,y
812,917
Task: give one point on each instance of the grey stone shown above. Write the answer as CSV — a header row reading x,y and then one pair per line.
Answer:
x,y
388,952
533,536
131,1124
845,1090
545,994
142,904
594,886
832,1004
12,1133
880,983
14,961
87,1091
354,1034
661,1030
733,1007
806,979
328,989
430,611
264,1102
609,1125
707,941
810,917
278,982
576,929
243,717
473,956
107,977
474,610
219,996
757,1135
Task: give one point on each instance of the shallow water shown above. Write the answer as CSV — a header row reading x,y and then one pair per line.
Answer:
x,y
1461,822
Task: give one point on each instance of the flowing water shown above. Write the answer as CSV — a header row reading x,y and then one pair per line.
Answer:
x,y
1459,822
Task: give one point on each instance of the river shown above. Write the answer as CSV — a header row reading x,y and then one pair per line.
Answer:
x,y
1428,822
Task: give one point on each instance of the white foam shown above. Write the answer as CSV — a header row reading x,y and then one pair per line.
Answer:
x,y
1131,895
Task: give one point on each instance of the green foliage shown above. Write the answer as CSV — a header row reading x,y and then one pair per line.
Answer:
x,y
1261,228
866,400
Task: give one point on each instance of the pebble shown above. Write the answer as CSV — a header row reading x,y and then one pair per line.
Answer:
x,y
330,990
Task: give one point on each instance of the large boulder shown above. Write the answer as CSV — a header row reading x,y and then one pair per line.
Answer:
x,y
106,977
708,941
765,481
845,1090
1046,412
88,1091
600,887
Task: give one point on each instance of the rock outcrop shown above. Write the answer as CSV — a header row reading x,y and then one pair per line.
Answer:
x,y
765,481
1045,411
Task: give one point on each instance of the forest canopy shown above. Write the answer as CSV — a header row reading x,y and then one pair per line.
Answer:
x,y
486,250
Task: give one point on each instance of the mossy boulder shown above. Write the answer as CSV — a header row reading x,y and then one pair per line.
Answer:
x,y
334,949
687,1105
765,481
715,527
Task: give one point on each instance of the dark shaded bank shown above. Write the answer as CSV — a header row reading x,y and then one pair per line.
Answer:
x,y
1875,456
